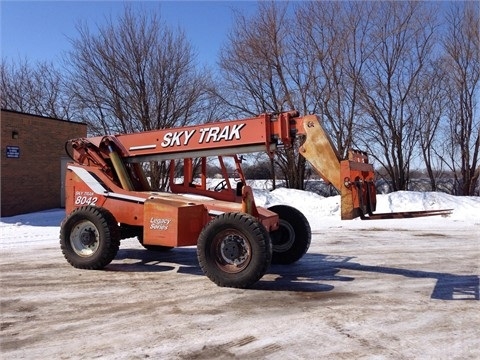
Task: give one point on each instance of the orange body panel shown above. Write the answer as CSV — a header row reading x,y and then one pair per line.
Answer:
x,y
78,193
172,223
82,189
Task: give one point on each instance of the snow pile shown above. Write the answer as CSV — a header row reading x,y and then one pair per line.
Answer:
x,y
306,202
464,207
322,211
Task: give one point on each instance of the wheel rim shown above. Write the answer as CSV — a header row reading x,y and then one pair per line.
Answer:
x,y
232,251
283,238
84,238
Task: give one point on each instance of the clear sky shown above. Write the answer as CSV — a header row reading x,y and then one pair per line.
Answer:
x,y
39,30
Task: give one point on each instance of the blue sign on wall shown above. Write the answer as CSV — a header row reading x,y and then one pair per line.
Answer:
x,y
13,152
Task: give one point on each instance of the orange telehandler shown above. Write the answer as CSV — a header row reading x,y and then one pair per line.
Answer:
x,y
108,197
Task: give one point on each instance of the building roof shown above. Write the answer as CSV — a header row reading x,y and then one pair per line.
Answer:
x,y
42,117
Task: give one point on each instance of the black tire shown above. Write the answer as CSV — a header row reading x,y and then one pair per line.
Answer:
x,y
292,240
157,248
89,238
234,250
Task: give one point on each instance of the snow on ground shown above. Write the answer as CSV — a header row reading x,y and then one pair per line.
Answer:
x,y
320,211
378,289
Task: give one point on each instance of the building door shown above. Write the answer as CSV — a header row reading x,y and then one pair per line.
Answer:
x,y
63,168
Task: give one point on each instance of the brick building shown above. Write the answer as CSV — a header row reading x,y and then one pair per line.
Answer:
x,y
33,161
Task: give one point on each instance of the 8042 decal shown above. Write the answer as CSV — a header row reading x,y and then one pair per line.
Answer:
x,y
85,198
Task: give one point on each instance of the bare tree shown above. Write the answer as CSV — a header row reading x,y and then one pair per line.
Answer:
x,y
403,39
35,89
258,66
335,41
430,108
252,62
135,74
462,63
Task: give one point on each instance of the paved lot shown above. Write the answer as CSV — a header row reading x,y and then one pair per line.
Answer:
x,y
361,292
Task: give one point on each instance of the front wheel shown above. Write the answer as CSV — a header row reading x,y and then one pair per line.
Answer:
x,y
292,239
234,250
89,238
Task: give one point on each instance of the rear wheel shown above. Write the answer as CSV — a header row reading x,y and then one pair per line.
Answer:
x,y
89,238
292,239
234,250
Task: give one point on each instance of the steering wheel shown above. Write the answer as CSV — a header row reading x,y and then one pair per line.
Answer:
x,y
221,185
